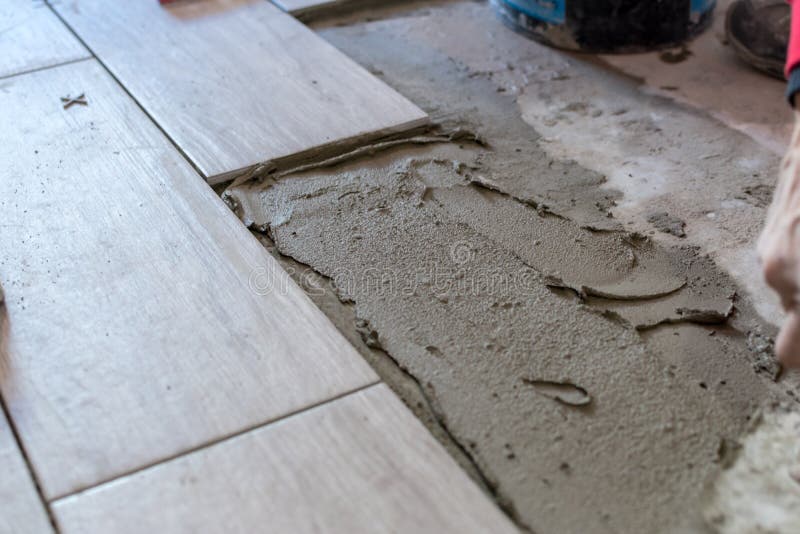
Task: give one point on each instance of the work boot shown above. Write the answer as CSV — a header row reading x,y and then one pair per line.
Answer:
x,y
758,30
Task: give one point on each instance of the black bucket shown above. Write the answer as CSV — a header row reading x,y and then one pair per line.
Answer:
x,y
607,25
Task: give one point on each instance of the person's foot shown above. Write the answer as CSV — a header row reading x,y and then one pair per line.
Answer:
x,y
758,30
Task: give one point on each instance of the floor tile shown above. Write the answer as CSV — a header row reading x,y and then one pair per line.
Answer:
x,y
143,319
362,463
32,37
236,83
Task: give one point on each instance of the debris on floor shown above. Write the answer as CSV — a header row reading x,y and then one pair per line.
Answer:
x,y
668,224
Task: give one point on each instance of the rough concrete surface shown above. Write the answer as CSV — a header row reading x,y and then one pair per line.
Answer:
x,y
759,492
591,372
706,79
358,333
668,224
654,153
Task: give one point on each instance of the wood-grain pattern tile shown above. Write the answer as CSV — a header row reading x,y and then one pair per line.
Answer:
x,y
362,463
299,7
144,320
238,82
308,10
21,510
32,37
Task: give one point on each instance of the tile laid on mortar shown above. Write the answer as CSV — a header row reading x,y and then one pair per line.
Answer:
x,y
299,7
361,463
236,83
143,319
22,509
32,37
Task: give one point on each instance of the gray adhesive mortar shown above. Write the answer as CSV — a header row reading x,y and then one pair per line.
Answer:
x,y
343,315
474,324
664,157
486,271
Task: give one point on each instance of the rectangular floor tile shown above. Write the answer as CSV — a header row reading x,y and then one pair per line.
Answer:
x,y
299,8
362,463
32,37
238,82
143,318
299,5
21,510
308,10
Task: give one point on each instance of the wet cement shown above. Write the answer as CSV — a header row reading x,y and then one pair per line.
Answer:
x,y
667,223
479,328
664,156
343,315
592,379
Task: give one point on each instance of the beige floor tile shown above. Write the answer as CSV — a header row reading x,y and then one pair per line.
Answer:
x,y
143,318
238,82
21,510
362,463
32,37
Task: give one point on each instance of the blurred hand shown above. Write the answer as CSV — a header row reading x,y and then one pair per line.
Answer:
x,y
779,250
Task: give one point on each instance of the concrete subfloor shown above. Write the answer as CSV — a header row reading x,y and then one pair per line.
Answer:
x,y
565,290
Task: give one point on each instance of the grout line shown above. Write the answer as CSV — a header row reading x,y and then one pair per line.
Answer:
x,y
216,441
45,505
125,90
37,69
